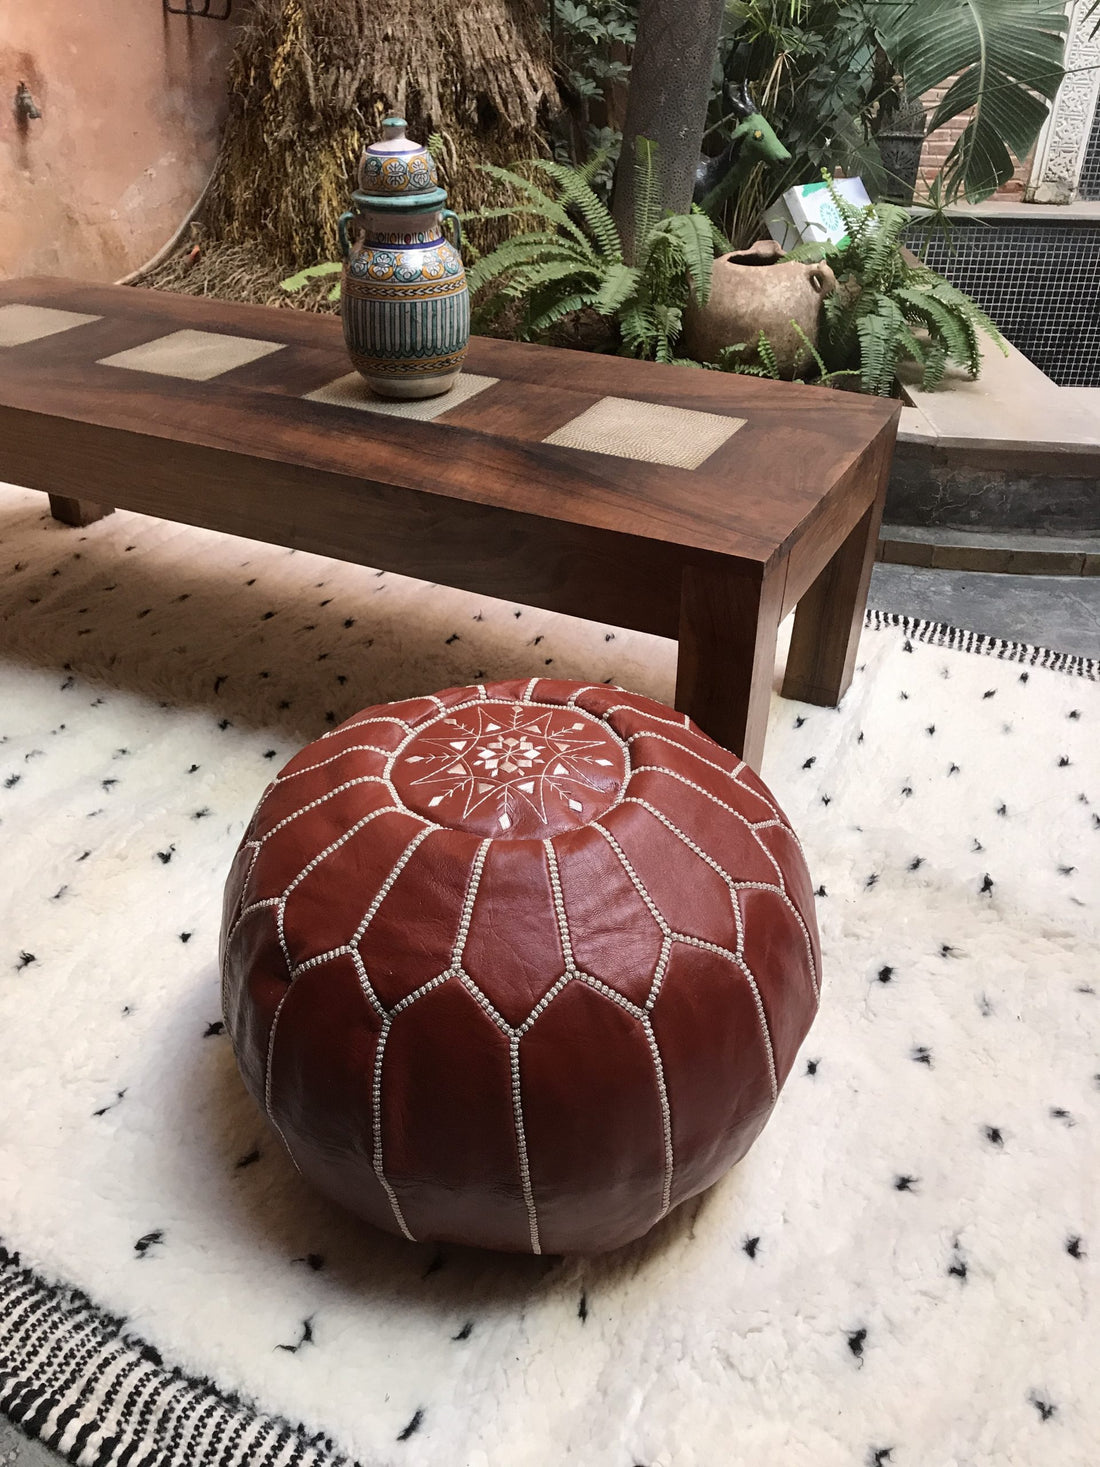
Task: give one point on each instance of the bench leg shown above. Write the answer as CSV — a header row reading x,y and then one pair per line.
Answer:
x,y
829,619
726,662
77,511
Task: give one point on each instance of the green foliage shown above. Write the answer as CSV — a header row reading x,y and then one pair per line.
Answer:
x,y
830,73
585,33
590,41
1006,58
305,277
810,360
889,309
568,257
819,75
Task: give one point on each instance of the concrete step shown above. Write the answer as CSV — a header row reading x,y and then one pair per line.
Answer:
x,y
1018,552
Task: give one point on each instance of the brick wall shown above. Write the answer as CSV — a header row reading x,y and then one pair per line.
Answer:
x,y
939,143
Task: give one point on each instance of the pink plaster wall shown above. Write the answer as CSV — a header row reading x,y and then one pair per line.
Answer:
x,y
132,103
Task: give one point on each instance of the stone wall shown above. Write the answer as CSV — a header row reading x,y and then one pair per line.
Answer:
x,y
132,102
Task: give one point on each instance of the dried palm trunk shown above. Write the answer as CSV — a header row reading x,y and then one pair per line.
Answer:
x,y
310,79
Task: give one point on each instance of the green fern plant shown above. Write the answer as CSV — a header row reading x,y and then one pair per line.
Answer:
x,y
889,309
736,359
568,257
305,277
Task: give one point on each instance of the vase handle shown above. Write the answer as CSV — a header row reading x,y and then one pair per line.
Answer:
x,y
342,230
450,214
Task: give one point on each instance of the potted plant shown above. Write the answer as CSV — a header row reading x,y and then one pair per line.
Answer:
x,y
889,308
900,139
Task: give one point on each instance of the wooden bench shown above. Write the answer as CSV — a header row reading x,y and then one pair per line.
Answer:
x,y
694,505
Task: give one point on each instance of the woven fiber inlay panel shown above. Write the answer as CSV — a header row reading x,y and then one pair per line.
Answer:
x,y
196,355
652,432
352,391
20,324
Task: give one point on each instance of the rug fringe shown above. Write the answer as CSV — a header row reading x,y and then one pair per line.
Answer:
x,y
942,634
73,1377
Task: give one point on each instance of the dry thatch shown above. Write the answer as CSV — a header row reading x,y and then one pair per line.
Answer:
x,y
233,272
311,78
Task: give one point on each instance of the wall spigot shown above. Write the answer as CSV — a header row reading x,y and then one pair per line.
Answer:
x,y
26,107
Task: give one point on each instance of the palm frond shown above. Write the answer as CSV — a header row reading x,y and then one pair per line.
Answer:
x,y
1007,60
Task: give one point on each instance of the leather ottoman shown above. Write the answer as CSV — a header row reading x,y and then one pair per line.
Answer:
x,y
520,965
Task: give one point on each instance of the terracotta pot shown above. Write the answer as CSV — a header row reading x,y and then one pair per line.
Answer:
x,y
759,290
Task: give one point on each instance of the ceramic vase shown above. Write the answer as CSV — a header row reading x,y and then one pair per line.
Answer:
x,y
404,299
759,290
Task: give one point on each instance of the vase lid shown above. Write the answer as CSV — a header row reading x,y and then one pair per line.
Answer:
x,y
398,173
394,139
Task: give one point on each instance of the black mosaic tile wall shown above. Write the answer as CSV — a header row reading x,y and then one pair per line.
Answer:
x,y
1089,185
1041,284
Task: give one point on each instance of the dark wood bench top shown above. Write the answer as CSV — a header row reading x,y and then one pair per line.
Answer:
x,y
704,508
761,489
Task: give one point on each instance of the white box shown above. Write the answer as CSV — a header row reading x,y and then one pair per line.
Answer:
x,y
808,214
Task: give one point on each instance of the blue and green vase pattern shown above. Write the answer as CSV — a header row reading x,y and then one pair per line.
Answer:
x,y
396,175
405,303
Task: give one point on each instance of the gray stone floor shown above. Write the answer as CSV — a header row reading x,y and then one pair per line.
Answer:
x,y
1062,612
17,1451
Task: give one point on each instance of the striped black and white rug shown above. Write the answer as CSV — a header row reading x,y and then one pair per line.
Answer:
x,y
902,1272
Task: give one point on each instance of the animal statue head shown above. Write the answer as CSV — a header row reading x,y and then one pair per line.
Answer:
x,y
752,140
757,137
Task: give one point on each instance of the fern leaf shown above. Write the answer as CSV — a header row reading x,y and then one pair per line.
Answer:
x,y
311,272
731,359
952,297
696,247
935,364
576,191
766,352
537,200
809,349
944,325
590,168
647,200
547,315
720,244
523,250
548,272
911,345
620,283
639,330
879,345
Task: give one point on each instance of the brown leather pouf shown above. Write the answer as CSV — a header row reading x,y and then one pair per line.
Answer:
x,y
522,965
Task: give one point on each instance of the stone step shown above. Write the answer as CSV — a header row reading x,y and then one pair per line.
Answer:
x,y
1017,553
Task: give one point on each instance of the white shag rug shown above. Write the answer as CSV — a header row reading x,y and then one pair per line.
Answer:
x,y
901,1272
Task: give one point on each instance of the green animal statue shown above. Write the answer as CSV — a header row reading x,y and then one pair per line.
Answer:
x,y
752,141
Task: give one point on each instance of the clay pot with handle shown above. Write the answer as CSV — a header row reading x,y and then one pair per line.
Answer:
x,y
759,290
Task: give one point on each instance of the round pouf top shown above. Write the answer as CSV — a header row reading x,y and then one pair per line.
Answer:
x,y
521,965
